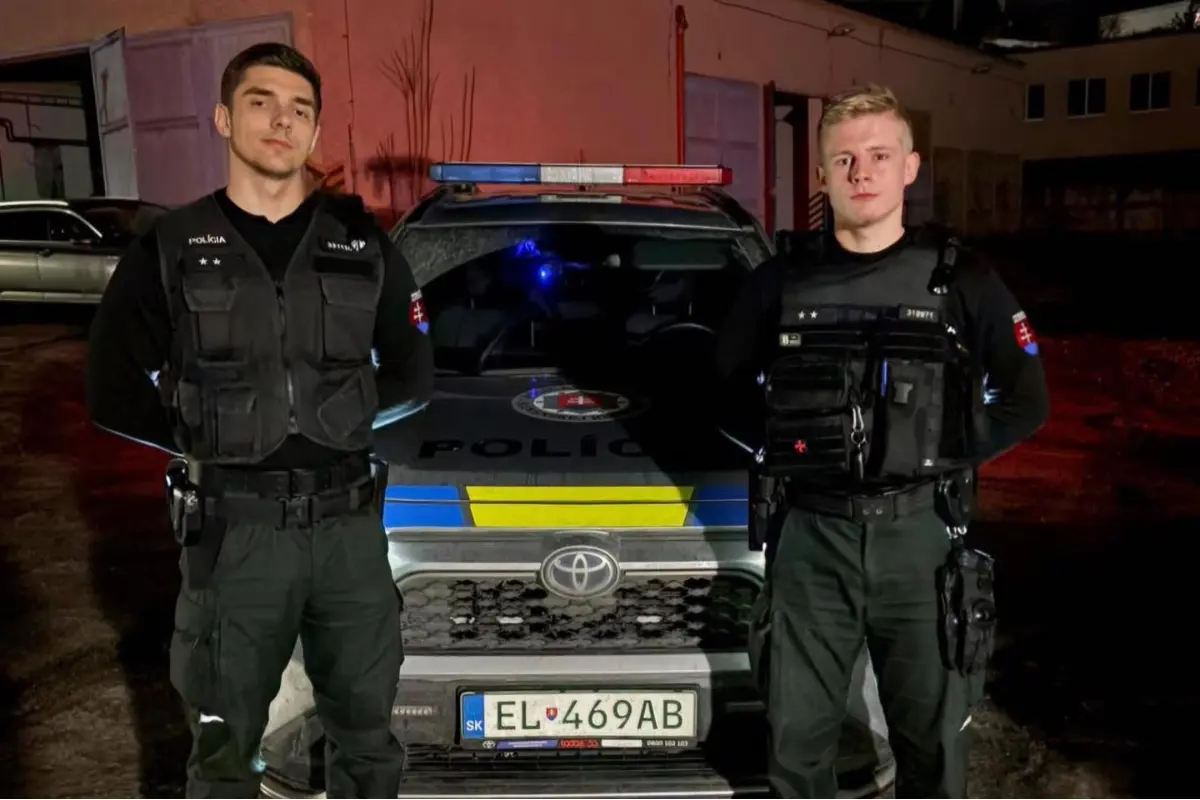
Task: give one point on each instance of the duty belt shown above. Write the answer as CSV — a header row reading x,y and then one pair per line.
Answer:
x,y
217,480
288,497
301,510
885,506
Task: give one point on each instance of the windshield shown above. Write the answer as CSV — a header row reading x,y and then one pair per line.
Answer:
x,y
124,222
557,298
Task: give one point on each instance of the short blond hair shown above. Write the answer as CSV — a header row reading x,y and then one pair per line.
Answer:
x,y
862,102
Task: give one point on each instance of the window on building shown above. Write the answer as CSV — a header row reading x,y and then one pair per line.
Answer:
x,y
1087,97
1149,91
1035,101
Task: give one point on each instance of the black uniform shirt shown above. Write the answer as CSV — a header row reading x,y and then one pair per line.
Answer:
x,y
131,335
983,310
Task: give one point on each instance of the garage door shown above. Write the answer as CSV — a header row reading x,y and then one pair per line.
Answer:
x,y
113,117
167,129
723,126
221,43
173,83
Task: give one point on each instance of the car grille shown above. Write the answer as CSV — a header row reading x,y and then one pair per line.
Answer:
x,y
517,615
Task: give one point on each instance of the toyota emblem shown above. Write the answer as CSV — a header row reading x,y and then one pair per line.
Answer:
x,y
580,571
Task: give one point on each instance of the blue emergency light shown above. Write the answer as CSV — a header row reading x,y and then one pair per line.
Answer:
x,y
581,174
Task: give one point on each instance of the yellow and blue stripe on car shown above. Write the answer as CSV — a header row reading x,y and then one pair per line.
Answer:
x,y
426,507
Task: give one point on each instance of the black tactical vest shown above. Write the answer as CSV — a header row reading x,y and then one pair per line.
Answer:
x,y
870,381
253,361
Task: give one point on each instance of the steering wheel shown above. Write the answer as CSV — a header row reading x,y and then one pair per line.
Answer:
x,y
494,342
524,319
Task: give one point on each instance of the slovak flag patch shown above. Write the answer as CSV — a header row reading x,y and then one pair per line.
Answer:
x,y
1023,332
416,312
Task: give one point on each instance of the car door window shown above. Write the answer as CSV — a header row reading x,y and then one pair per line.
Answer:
x,y
66,228
24,226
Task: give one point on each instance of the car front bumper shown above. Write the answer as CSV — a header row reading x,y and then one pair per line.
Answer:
x,y
730,762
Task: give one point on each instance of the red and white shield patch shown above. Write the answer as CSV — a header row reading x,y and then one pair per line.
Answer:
x,y
416,312
1024,334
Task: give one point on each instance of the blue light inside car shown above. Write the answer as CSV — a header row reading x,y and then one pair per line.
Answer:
x,y
528,249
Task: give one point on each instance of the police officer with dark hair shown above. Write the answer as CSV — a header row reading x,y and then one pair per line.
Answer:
x,y
239,334
854,370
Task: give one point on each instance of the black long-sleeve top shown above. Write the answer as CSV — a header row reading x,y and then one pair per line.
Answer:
x,y
130,337
987,315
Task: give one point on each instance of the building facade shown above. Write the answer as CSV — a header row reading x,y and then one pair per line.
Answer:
x,y
1111,140
413,81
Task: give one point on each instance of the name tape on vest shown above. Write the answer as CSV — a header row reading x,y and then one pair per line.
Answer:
x,y
352,246
207,239
918,314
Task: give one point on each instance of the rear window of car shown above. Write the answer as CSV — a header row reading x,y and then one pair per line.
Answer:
x,y
124,222
541,298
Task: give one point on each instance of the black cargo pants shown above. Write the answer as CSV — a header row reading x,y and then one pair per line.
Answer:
x,y
833,584
331,585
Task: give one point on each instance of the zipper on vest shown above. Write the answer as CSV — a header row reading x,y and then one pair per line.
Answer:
x,y
293,427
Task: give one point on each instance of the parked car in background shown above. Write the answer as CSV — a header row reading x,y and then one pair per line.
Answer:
x,y
63,251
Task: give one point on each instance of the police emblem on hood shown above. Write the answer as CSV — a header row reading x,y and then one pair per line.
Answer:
x,y
569,404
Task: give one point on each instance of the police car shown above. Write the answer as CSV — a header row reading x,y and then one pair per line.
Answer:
x,y
566,525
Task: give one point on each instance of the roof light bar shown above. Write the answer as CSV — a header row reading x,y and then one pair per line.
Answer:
x,y
581,174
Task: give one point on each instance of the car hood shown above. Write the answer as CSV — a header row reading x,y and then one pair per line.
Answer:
x,y
535,452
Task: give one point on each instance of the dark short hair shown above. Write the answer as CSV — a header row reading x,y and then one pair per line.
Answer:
x,y
269,54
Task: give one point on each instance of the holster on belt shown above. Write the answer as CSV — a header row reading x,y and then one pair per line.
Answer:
x,y
966,585
954,499
193,524
379,474
766,496
968,609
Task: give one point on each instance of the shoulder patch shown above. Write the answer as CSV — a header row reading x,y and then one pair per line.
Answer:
x,y
1024,334
416,312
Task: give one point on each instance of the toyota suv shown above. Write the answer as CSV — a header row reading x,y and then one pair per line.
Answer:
x,y
567,527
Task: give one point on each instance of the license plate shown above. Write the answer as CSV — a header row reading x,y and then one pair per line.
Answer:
x,y
548,716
